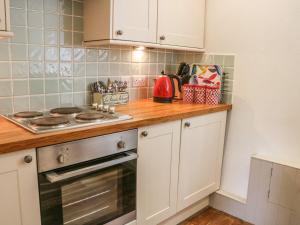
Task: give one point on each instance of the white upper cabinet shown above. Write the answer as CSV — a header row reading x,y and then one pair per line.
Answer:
x,y
5,20
181,23
172,24
106,21
2,16
201,153
157,170
19,194
135,20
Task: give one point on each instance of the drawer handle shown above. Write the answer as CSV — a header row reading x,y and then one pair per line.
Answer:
x,y
119,32
28,159
187,124
162,38
144,133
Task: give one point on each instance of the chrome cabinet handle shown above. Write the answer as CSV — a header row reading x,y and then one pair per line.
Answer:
x,y
121,144
144,133
187,124
119,32
28,159
162,38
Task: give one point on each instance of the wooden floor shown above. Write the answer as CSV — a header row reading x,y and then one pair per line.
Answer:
x,y
213,217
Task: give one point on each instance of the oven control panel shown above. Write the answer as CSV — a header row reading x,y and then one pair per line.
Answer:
x,y
61,155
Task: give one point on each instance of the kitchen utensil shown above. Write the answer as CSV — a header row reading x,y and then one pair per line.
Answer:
x,y
186,70
180,68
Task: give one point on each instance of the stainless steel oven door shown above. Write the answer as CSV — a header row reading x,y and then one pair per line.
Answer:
x,y
92,193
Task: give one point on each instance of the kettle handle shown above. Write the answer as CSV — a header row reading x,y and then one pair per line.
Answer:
x,y
178,80
173,87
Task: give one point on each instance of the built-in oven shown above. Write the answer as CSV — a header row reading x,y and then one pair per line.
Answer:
x,y
90,181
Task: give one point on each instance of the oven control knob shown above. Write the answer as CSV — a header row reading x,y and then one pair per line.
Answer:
x,y
121,144
61,158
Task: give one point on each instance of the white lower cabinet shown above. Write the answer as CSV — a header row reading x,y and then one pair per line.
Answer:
x,y
157,170
179,164
19,203
201,153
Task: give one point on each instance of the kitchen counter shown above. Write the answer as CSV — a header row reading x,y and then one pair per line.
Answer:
x,y
144,112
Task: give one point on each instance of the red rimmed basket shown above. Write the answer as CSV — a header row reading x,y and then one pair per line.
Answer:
x,y
188,93
200,94
213,95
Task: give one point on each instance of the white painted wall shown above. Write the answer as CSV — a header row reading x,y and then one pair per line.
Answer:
x,y
265,35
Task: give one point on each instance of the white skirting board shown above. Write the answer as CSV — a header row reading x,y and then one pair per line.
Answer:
x,y
273,195
186,213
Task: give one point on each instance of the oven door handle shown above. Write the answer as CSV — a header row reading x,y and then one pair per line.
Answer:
x,y
53,177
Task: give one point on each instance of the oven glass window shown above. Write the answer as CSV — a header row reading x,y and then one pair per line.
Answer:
x,y
93,199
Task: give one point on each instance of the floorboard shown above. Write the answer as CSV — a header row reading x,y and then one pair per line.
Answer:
x,y
213,217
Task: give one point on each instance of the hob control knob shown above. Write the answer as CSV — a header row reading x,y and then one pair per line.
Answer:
x,y
112,109
105,108
121,144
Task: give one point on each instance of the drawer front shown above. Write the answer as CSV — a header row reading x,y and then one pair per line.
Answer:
x,y
2,15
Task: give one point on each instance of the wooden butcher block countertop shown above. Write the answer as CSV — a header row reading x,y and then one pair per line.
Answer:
x,y
144,112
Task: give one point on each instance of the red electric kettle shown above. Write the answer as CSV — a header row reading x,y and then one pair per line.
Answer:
x,y
164,88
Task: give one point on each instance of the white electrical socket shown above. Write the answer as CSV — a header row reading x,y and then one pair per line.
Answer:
x,y
139,81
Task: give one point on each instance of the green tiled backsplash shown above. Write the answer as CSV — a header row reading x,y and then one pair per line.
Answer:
x,y
45,65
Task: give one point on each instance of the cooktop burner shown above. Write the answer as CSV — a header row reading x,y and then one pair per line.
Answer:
x,y
91,116
64,118
66,110
50,121
28,114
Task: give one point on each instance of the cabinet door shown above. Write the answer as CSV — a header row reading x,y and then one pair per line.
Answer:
x,y
2,15
19,200
135,20
181,22
158,151
201,153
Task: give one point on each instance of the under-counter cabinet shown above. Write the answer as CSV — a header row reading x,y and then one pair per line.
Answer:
x,y
179,164
181,29
19,203
157,172
201,153
152,23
